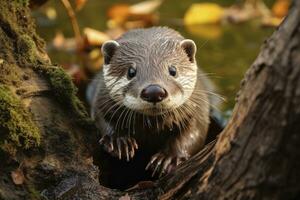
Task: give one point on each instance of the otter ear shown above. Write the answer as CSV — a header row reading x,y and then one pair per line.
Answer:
x,y
190,48
108,49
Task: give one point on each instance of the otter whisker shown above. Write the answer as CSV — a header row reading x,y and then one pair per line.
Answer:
x,y
112,116
184,119
188,109
125,117
211,93
120,116
178,120
134,118
127,123
110,108
195,100
130,125
108,100
104,105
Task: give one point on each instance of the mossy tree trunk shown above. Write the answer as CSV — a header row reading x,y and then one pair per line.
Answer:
x,y
45,134
46,138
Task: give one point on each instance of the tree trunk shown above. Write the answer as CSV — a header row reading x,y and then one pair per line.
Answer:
x,y
47,139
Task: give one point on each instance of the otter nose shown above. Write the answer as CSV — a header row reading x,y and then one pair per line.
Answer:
x,y
154,93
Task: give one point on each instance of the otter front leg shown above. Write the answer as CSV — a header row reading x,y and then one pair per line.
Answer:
x,y
177,150
164,162
119,146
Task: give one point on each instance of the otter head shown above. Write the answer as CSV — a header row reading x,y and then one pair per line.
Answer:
x,y
151,77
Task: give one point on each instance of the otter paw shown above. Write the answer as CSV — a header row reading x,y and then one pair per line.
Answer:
x,y
161,163
121,147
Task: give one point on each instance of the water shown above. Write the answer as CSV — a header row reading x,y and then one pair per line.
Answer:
x,y
224,52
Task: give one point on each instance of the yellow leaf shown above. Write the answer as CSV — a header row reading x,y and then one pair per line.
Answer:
x,y
210,31
51,13
203,13
272,21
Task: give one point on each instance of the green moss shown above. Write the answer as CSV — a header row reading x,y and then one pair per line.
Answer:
x,y
27,49
34,194
22,2
64,90
16,124
61,83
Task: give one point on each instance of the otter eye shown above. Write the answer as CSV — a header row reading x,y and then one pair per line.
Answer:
x,y
131,72
172,70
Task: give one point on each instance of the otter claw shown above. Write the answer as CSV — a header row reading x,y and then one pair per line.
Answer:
x,y
161,163
158,163
125,146
131,146
165,166
107,142
153,158
119,148
135,144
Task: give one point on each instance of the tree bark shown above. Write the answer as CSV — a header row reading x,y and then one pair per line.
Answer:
x,y
47,139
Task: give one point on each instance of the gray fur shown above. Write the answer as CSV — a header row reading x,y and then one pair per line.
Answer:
x,y
178,126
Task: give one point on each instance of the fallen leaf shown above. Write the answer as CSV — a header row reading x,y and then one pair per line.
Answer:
x,y
272,21
17,176
203,13
61,43
247,11
94,37
80,4
137,15
145,7
94,54
209,31
1,61
145,22
115,32
118,12
93,61
281,8
236,14
58,40
51,13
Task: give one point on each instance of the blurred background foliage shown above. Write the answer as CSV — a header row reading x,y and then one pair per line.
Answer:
x,y
228,33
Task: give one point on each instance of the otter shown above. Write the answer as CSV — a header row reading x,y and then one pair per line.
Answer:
x,y
151,96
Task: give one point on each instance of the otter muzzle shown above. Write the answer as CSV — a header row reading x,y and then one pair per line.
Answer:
x,y
154,93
